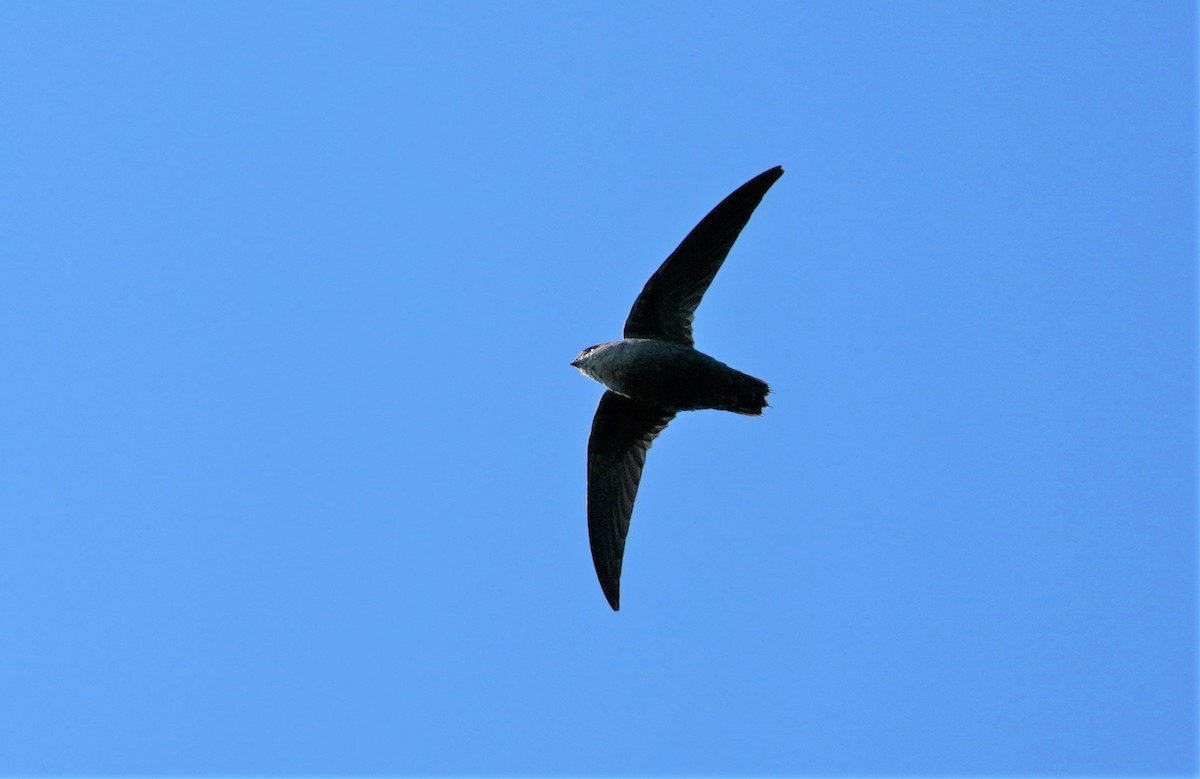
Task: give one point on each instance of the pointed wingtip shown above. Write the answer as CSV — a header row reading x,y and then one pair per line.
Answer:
x,y
613,596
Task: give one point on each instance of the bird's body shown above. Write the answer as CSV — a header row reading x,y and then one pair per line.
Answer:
x,y
655,372
671,376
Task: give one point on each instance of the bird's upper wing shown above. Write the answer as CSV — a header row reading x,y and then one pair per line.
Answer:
x,y
665,308
621,434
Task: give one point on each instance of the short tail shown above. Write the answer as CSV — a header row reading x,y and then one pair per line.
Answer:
x,y
748,395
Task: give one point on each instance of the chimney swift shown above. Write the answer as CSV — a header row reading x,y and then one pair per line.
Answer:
x,y
654,372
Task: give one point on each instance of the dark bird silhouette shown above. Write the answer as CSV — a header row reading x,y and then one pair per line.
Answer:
x,y
655,372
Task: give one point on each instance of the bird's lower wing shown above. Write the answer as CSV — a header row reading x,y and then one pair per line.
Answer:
x,y
622,432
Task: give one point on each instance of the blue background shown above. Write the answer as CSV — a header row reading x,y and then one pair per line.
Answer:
x,y
293,459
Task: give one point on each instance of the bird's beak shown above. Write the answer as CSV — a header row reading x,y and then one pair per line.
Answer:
x,y
575,363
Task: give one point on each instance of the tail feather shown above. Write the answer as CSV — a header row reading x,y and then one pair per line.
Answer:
x,y
748,395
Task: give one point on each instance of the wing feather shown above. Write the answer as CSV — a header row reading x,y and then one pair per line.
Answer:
x,y
622,433
668,302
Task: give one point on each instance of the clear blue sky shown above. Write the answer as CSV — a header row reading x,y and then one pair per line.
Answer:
x,y
293,459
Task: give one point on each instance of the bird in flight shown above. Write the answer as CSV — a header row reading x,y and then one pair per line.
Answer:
x,y
655,372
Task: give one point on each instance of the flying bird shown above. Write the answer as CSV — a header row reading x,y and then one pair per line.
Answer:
x,y
655,372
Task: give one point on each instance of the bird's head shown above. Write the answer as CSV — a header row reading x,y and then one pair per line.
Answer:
x,y
578,361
